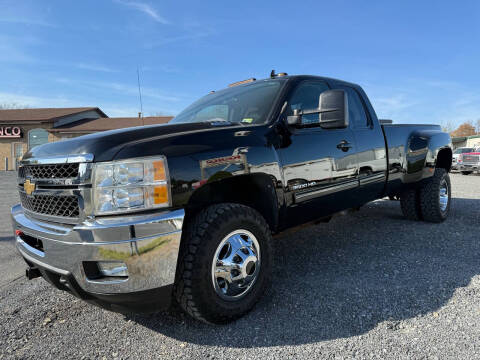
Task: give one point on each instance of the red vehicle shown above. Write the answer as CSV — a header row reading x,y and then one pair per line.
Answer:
x,y
469,162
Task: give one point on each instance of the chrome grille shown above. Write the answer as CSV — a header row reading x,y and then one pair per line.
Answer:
x,y
49,171
471,159
52,205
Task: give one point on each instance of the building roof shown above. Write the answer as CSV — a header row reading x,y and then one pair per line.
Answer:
x,y
463,138
102,124
43,114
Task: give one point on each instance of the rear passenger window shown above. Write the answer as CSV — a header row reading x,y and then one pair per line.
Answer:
x,y
356,111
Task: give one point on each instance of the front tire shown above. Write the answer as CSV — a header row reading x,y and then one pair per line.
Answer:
x,y
435,197
224,263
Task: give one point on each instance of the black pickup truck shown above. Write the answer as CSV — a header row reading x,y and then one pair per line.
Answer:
x,y
130,219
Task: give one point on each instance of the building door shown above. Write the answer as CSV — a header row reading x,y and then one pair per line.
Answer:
x,y
17,154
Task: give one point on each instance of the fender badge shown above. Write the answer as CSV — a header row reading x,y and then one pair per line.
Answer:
x,y
29,187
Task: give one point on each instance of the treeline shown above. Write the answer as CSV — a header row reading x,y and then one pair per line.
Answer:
x,y
468,128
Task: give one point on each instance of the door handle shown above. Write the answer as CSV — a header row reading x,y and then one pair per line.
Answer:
x,y
344,145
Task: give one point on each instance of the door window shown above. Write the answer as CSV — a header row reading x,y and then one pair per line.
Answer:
x,y
356,111
306,97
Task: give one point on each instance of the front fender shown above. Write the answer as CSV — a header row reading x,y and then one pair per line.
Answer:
x,y
195,159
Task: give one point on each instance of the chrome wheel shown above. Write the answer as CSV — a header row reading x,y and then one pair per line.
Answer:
x,y
236,265
443,195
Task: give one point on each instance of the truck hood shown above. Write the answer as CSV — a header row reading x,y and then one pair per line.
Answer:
x,y
105,145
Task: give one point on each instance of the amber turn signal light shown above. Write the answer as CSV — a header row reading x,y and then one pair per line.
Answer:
x,y
160,194
159,173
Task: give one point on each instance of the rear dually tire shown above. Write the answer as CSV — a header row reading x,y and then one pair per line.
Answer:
x,y
410,204
435,197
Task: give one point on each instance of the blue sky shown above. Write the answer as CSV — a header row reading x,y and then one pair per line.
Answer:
x,y
419,61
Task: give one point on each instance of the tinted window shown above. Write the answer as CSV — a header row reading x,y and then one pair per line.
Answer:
x,y
305,97
212,112
463,150
356,111
248,104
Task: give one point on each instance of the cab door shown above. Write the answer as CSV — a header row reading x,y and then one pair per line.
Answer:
x,y
319,165
370,142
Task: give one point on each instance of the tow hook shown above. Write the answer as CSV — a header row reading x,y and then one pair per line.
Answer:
x,y
32,273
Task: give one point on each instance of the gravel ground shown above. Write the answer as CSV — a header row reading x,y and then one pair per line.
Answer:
x,y
366,285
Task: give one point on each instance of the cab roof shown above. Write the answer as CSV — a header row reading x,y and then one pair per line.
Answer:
x,y
295,78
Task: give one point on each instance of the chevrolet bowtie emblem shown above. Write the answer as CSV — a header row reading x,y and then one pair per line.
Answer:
x,y
29,187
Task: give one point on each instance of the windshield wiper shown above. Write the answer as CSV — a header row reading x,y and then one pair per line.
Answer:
x,y
220,122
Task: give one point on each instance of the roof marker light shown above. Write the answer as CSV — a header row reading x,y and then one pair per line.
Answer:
x,y
242,82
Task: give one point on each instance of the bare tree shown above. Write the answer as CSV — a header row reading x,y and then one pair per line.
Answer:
x,y
12,105
477,125
447,126
158,113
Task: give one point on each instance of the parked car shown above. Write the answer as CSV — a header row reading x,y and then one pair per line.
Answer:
x,y
129,219
456,156
469,162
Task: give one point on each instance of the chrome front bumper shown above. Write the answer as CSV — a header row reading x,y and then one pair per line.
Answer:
x,y
469,167
148,244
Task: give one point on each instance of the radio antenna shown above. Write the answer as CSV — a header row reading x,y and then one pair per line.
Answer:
x,y
140,94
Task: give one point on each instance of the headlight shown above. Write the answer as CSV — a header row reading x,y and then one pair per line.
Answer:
x,y
130,185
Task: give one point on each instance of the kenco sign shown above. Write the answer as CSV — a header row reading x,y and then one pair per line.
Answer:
x,y
10,132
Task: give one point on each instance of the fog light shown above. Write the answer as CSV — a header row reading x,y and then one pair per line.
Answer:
x,y
112,269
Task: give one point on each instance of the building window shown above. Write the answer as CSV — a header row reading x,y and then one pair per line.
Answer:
x,y
37,137
17,154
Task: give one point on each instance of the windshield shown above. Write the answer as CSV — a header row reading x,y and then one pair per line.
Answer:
x,y
463,150
247,104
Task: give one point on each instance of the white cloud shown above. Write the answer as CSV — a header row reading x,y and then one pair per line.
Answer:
x,y
111,109
12,55
13,48
114,110
133,90
37,101
95,67
146,9
154,99
175,39
168,68
392,107
466,108
425,101
26,21
124,89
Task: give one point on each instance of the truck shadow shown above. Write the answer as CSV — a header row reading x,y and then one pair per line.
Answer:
x,y
6,238
365,270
